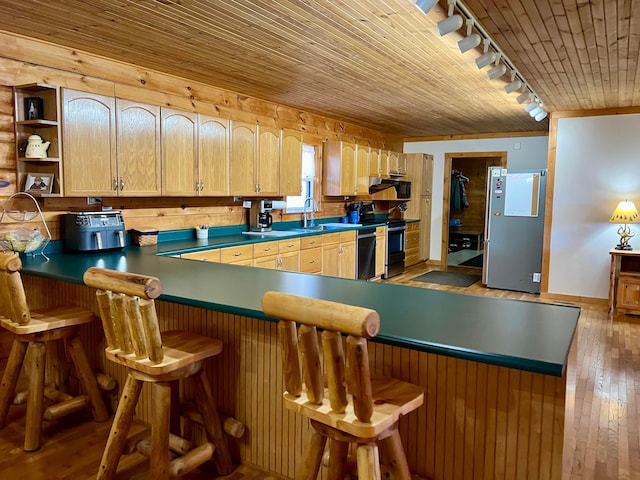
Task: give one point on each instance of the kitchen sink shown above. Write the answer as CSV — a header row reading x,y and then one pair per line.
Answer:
x,y
272,233
325,226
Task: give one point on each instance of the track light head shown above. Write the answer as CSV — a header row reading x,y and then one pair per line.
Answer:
x,y
485,59
450,24
426,5
541,116
523,97
497,72
536,111
514,86
467,43
532,106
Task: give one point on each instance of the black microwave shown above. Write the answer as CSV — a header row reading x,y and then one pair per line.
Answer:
x,y
403,189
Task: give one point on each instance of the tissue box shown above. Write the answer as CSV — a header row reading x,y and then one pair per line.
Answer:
x,y
144,237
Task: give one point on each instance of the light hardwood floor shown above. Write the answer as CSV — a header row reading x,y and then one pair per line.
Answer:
x,y
606,444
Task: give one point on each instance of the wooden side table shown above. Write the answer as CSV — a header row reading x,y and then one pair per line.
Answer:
x,y
624,282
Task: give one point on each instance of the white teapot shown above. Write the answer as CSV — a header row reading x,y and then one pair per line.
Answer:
x,y
36,148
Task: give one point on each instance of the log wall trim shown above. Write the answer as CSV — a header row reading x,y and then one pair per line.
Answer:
x,y
477,421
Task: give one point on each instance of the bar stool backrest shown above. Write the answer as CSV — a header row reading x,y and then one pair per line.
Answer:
x,y
127,310
348,379
13,303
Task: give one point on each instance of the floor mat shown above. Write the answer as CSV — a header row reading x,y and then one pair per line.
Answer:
x,y
473,262
448,278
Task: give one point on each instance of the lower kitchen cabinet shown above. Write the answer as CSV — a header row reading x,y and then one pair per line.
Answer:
x,y
205,256
278,255
239,255
339,254
412,255
311,254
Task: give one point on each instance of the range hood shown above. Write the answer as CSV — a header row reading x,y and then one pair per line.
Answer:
x,y
377,184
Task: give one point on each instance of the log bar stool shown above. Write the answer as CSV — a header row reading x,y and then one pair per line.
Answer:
x,y
35,329
362,410
127,308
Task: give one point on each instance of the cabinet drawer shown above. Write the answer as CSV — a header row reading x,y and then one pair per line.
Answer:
x,y
311,260
237,254
289,245
311,242
205,256
265,249
330,238
412,256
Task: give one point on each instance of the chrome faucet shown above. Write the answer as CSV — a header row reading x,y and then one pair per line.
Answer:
x,y
314,208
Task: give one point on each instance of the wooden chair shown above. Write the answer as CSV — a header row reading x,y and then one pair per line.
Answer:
x,y
360,409
127,308
35,330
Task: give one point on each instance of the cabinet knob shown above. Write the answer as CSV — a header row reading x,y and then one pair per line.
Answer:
x,y
115,184
121,184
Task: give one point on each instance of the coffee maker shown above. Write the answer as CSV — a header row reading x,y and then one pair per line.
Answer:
x,y
260,218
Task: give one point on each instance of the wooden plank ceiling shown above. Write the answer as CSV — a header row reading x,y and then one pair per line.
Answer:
x,y
376,63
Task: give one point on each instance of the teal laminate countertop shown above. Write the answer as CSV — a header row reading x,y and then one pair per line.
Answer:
x,y
515,334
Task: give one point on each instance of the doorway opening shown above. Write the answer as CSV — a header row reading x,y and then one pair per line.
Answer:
x,y
464,206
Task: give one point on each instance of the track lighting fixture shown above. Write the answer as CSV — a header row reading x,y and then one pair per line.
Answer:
x,y
450,24
523,97
472,40
485,59
532,106
536,111
426,5
541,116
497,72
457,15
514,86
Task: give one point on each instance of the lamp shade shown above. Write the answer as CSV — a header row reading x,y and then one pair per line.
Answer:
x,y
625,212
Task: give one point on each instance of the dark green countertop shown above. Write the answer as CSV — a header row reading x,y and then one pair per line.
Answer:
x,y
516,334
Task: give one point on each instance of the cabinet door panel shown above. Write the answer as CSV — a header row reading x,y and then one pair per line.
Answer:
x,y
213,156
268,161
138,149
348,260
348,166
243,151
362,170
179,154
88,123
331,260
290,262
291,163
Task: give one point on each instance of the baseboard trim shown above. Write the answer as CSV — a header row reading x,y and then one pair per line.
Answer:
x,y
602,302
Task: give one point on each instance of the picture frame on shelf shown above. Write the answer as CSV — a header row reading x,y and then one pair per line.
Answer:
x,y
38,183
33,108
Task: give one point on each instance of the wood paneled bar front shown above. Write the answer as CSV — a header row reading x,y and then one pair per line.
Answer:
x,y
487,413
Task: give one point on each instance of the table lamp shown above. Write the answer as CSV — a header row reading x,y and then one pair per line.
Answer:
x,y
625,213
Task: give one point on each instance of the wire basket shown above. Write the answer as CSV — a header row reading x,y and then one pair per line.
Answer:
x,y
144,237
22,215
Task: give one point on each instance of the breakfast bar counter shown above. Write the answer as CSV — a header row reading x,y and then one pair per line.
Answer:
x,y
494,370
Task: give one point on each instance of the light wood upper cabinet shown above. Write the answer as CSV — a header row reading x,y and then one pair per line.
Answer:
x,y
243,151
268,169
397,163
362,170
89,144
179,152
339,168
374,162
213,156
291,163
138,149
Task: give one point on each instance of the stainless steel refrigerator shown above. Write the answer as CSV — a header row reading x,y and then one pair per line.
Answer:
x,y
514,227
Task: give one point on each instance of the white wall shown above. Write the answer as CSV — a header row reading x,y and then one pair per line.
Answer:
x,y
532,153
597,165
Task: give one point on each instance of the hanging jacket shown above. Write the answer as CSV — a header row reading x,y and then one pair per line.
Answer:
x,y
456,194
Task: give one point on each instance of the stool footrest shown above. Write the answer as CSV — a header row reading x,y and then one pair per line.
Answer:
x,y
190,460
66,407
